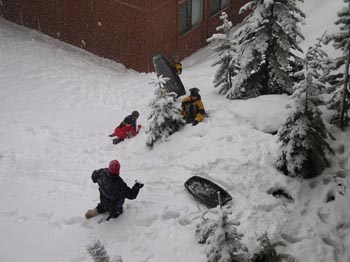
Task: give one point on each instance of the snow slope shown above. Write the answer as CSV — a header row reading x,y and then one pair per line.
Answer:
x,y
59,103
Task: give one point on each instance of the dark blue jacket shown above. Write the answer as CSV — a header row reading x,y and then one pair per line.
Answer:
x,y
113,190
131,120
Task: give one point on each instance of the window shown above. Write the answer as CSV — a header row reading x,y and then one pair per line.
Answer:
x,y
190,15
217,5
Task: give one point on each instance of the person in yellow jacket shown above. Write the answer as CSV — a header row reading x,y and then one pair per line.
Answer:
x,y
192,107
175,60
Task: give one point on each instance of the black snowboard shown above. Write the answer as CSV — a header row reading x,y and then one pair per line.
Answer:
x,y
206,191
163,67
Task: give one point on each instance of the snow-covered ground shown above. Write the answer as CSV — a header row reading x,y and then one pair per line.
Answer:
x,y
57,106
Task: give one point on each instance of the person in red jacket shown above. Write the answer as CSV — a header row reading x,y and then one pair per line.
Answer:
x,y
127,128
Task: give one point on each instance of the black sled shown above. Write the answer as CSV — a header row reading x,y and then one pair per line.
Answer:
x,y
206,191
164,67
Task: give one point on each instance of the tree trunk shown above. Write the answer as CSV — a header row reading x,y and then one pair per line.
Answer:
x,y
344,104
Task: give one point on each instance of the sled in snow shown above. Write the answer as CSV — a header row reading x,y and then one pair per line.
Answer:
x,y
206,191
163,67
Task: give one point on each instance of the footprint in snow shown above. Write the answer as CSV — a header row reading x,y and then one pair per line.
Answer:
x,y
291,239
340,149
45,216
16,217
324,217
184,221
73,220
342,162
148,221
333,243
170,215
8,213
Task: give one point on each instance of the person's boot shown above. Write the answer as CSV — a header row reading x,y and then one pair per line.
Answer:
x,y
117,140
91,213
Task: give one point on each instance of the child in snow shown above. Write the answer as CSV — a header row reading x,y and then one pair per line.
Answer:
x,y
113,191
127,128
175,60
192,107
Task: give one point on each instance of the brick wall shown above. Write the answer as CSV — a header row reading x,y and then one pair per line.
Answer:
x,y
127,31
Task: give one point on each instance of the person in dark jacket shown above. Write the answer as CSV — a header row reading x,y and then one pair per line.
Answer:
x,y
127,128
113,191
192,107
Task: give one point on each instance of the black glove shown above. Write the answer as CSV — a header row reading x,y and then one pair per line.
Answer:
x,y
111,135
195,122
95,176
138,185
114,214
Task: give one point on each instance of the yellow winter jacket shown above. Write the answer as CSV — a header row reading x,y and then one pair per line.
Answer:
x,y
178,67
192,109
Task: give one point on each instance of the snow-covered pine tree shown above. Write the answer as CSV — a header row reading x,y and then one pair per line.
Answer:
x,y
225,48
165,118
266,48
222,239
268,252
303,135
340,101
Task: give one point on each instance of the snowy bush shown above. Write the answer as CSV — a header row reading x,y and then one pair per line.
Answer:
x,y
225,48
266,48
303,135
165,118
222,239
268,252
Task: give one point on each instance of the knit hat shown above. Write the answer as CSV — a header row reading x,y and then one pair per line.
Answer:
x,y
194,91
114,167
135,114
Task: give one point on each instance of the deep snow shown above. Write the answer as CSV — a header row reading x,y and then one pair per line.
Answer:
x,y
59,103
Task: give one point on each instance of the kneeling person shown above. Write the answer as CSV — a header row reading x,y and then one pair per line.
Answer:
x,y
113,191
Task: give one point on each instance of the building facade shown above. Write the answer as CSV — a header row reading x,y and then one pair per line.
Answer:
x,y
126,31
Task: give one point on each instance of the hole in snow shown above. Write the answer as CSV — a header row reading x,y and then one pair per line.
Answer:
x,y
280,193
330,197
272,132
340,149
341,173
291,239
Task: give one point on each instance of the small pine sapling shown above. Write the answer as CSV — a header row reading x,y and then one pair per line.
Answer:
x,y
268,252
225,48
222,239
98,253
165,118
303,135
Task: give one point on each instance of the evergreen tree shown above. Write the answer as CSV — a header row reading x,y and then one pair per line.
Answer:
x,y
340,101
303,135
268,252
267,42
222,239
225,48
165,118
